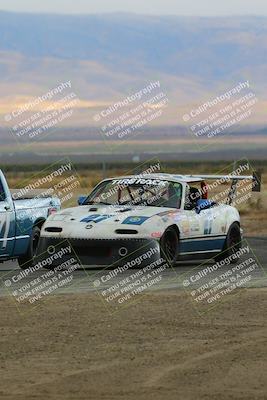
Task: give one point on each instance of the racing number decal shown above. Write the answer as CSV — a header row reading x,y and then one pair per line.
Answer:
x,y
208,223
4,228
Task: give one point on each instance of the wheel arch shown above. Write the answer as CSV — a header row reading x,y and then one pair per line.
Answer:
x,y
39,223
173,259
228,226
232,223
175,227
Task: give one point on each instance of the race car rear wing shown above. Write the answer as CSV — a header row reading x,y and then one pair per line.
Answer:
x,y
255,178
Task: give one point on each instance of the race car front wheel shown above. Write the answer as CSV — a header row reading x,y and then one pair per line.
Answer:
x,y
169,244
232,244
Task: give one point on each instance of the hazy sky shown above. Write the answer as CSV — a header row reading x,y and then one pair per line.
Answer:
x,y
178,7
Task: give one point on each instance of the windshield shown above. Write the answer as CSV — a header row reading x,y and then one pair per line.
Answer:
x,y
137,191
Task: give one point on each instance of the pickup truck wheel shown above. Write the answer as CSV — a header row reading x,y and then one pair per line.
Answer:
x,y
232,244
169,244
28,259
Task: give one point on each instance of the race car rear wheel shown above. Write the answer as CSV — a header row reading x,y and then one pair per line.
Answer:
x,y
28,259
232,244
169,244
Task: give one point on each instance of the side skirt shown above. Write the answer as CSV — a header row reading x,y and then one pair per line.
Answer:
x,y
201,247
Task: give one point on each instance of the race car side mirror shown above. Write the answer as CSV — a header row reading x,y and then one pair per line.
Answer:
x,y
81,200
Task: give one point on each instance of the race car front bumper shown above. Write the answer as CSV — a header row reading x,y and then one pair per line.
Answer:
x,y
98,252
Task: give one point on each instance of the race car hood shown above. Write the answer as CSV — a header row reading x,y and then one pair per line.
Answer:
x,y
101,221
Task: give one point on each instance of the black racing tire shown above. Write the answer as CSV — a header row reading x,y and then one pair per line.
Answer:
x,y
169,246
28,260
232,244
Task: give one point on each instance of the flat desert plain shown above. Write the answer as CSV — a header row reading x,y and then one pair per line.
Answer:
x,y
159,348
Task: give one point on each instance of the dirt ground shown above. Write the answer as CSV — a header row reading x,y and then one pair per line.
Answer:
x,y
160,348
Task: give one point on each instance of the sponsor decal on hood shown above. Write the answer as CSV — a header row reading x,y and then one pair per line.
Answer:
x,y
96,218
135,220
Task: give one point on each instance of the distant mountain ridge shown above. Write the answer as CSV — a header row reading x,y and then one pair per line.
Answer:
x,y
210,47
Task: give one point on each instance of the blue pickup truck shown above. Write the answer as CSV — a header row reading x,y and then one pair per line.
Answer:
x,y
20,224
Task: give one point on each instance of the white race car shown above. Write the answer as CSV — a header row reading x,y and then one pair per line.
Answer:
x,y
123,215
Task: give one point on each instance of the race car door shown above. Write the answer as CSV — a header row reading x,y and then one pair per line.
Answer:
x,y
205,231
